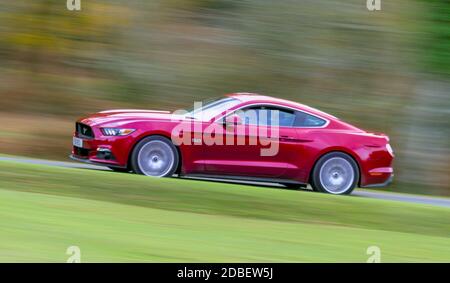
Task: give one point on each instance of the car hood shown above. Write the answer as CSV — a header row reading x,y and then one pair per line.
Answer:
x,y
127,115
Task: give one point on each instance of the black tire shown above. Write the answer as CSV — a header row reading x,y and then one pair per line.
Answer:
x,y
319,185
146,142
121,170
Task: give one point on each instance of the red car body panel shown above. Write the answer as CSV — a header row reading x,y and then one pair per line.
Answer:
x,y
299,148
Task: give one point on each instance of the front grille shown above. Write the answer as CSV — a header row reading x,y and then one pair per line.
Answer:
x,y
84,130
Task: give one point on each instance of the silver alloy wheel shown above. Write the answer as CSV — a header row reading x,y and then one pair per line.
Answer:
x,y
156,158
336,175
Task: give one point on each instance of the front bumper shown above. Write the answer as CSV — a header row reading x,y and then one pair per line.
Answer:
x,y
102,150
85,160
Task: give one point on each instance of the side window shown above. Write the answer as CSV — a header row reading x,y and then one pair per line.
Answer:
x,y
249,116
267,116
306,120
286,118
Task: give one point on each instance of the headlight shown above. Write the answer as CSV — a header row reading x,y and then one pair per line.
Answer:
x,y
116,131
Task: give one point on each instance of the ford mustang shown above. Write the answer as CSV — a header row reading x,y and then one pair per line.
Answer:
x,y
240,136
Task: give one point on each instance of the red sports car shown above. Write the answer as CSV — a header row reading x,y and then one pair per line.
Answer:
x,y
240,136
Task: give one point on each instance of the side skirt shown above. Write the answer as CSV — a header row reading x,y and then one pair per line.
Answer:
x,y
243,178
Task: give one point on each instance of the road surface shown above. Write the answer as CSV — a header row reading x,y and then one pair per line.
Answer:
x,y
437,201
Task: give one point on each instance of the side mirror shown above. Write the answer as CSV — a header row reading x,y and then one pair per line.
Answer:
x,y
233,120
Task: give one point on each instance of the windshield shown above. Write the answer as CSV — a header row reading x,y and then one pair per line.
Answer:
x,y
206,110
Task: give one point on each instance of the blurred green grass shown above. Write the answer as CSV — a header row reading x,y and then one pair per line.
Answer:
x,y
124,217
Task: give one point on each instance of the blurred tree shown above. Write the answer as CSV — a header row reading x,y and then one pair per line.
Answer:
x,y
47,44
334,55
436,36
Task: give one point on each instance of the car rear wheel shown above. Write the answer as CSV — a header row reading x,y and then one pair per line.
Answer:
x,y
335,173
155,156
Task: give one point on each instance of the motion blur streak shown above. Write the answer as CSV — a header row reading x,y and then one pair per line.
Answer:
x,y
384,70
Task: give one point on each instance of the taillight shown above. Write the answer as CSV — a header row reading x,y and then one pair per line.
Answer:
x,y
389,149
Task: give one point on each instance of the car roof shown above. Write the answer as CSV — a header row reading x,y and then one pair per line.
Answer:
x,y
258,98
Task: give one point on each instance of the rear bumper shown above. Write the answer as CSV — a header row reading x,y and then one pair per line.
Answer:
x,y
380,185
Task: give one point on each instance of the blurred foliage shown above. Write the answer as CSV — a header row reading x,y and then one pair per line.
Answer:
x,y
386,70
437,32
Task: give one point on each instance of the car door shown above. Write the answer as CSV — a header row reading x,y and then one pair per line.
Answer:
x,y
309,130
260,147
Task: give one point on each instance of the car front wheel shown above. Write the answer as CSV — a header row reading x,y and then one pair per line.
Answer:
x,y
335,173
155,156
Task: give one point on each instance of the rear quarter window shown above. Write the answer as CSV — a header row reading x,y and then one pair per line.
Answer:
x,y
306,120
